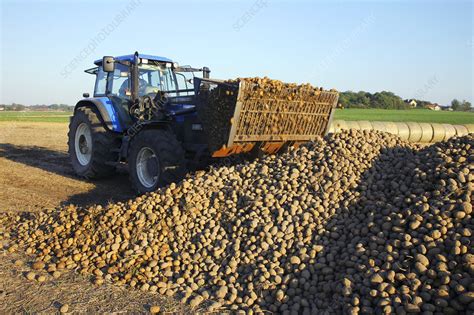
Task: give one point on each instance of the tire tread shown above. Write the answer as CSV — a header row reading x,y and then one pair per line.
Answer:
x,y
169,151
104,144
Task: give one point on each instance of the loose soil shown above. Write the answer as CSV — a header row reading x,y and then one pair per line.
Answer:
x,y
35,174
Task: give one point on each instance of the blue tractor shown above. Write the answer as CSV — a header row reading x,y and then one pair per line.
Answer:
x,y
148,111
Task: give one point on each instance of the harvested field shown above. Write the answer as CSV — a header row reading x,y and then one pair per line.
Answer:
x,y
358,222
35,174
48,293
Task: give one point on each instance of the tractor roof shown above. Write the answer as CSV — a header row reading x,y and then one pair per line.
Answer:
x,y
130,58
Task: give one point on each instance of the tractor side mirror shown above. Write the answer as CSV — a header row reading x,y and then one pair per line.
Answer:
x,y
85,95
108,64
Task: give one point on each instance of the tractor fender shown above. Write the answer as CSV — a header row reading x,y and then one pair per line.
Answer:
x,y
107,111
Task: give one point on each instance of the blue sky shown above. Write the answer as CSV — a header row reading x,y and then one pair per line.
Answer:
x,y
420,49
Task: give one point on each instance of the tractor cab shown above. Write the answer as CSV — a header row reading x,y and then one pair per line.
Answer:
x,y
144,87
153,74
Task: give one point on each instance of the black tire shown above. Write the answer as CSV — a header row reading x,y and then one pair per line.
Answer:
x,y
168,160
104,145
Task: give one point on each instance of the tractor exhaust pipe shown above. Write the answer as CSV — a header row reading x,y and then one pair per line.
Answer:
x,y
206,72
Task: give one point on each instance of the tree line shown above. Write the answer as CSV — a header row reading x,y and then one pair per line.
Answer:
x,y
388,100
384,99
52,107
463,106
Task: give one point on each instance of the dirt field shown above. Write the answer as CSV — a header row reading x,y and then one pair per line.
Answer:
x,y
34,174
35,171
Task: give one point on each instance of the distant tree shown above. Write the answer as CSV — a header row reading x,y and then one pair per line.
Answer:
x,y
361,99
465,106
455,104
460,106
17,107
65,107
351,99
388,100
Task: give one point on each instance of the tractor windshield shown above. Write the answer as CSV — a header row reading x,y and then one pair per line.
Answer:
x,y
154,78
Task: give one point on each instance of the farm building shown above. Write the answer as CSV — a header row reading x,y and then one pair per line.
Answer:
x,y
433,107
412,103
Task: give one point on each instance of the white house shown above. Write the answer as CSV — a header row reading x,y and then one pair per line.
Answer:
x,y
433,107
412,103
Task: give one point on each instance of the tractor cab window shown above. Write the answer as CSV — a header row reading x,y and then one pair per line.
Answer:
x,y
120,81
154,78
100,82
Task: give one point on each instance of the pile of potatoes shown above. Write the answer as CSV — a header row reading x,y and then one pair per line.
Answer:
x,y
358,222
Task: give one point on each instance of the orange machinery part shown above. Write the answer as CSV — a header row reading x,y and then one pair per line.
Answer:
x,y
267,147
235,149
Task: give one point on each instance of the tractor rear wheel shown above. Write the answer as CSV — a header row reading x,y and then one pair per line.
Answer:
x,y
156,159
92,148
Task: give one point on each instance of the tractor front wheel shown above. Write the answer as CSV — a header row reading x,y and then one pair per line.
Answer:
x,y
156,159
92,148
